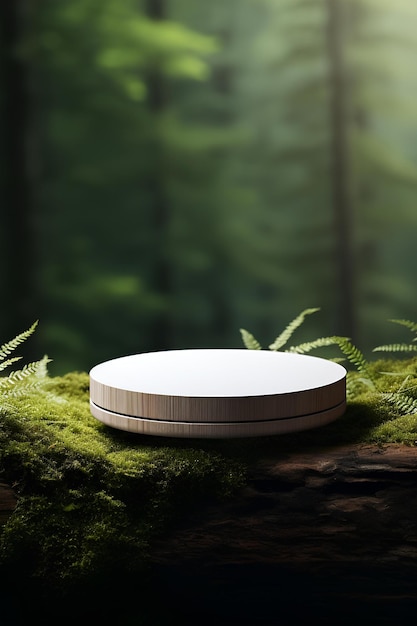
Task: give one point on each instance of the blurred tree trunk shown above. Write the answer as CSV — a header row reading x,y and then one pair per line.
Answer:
x,y
340,163
223,322
19,259
161,331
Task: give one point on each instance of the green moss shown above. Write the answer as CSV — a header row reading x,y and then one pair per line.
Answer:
x,y
91,498
401,429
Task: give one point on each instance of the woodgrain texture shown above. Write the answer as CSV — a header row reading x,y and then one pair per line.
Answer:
x,y
230,429
217,393
222,409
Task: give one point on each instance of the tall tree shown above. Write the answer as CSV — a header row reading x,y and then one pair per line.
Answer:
x,y
115,149
340,159
382,51
329,157
19,171
158,103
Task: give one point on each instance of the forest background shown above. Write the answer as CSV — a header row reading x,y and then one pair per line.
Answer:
x,y
175,170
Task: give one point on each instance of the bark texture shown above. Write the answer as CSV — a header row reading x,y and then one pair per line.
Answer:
x,y
321,536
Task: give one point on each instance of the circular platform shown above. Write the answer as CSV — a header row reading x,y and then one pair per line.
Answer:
x,y
216,393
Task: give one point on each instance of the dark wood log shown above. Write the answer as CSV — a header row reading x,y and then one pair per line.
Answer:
x,y
318,536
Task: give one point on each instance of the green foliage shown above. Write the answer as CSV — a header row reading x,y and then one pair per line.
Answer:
x,y
404,404
249,340
401,347
30,378
286,334
402,396
135,42
405,399
238,149
283,338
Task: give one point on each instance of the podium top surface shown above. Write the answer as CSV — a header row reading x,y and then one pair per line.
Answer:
x,y
211,373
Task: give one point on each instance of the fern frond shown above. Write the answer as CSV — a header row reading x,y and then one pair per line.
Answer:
x,y
35,369
407,323
355,386
30,387
283,338
353,354
396,347
249,340
351,392
29,379
41,367
400,347
9,362
302,348
7,348
406,405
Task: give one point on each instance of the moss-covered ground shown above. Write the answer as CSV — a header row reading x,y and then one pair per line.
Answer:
x,y
92,499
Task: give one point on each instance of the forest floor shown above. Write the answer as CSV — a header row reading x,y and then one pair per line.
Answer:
x,y
326,536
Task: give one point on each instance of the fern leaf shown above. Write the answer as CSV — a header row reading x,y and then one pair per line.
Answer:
x,y
302,348
400,347
396,347
407,323
37,370
353,354
30,378
9,362
7,348
406,405
249,340
30,386
41,367
367,382
355,386
283,338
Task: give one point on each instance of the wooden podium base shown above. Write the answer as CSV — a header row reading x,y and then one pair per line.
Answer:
x,y
216,393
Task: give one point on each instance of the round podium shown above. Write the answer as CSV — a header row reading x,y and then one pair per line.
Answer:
x,y
217,393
